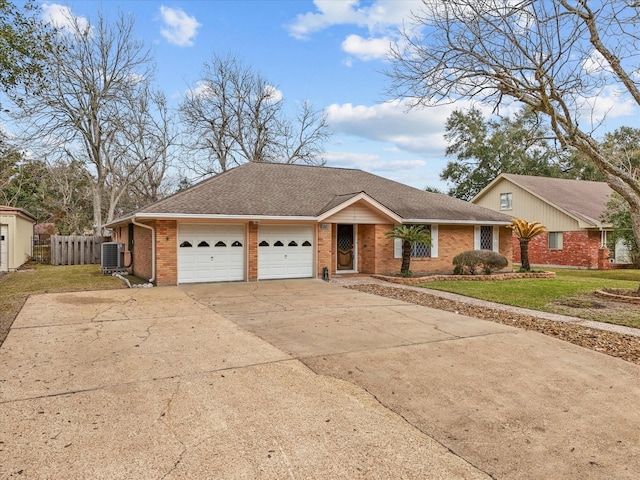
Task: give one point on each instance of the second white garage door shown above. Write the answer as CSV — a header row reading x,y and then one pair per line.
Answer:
x,y
285,251
210,253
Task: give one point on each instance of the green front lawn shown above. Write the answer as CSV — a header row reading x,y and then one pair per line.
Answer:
x,y
570,293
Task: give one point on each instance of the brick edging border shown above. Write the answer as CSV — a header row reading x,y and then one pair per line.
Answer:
x,y
617,297
473,278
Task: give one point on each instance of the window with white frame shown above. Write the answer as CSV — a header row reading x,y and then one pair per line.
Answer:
x,y
505,201
555,240
420,250
486,237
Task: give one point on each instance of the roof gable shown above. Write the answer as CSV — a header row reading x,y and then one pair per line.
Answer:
x,y
583,200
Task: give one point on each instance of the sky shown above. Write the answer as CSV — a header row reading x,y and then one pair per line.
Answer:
x,y
329,52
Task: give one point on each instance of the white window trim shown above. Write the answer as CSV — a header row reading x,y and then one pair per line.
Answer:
x,y
509,196
561,246
495,242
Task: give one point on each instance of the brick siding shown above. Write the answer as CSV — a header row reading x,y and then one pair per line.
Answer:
x,y
252,251
581,249
166,252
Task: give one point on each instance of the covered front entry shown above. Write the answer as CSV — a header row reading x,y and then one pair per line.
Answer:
x,y
210,253
346,248
285,251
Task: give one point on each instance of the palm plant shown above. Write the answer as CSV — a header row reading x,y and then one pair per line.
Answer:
x,y
409,234
525,231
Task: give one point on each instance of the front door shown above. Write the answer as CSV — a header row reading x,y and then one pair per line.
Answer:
x,y
345,247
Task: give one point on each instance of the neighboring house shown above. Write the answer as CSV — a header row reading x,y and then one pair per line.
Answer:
x,y
16,237
273,221
571,210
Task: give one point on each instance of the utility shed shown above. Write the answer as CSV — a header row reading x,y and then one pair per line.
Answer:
x,y
16,237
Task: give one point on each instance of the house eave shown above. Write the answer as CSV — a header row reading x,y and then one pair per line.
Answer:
x,y
440,221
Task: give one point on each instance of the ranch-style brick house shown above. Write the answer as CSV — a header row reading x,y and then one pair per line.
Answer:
x,y
571,210
264,221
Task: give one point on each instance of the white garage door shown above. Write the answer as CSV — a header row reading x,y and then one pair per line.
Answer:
x,y
210,253
4,255
285,251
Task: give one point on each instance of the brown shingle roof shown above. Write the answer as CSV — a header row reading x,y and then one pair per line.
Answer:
x,y
584,200
266,189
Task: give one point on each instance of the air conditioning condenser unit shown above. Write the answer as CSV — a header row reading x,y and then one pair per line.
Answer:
x,y
112,257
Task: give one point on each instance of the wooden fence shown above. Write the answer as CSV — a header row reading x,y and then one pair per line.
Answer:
x,y
75,250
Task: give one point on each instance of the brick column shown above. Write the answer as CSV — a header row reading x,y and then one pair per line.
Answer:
x,y
166,252
252,252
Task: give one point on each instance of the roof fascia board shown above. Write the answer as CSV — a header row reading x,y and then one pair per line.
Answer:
x,y
366,198
208,216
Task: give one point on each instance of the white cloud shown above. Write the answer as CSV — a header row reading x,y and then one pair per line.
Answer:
x,y
418,130
61,17
180,29
611,103
371,162
367,49
377,17
595,64
273,94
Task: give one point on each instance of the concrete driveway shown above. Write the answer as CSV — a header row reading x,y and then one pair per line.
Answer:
x,y
301,379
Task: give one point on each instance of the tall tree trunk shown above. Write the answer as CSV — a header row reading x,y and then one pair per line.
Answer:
x,y
97,210
524,254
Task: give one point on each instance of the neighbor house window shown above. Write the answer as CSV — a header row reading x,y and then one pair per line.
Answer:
x,y
505,201
555,240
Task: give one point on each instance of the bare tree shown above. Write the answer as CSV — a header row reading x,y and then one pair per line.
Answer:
x,y
150,141
86,111
557,57
235,115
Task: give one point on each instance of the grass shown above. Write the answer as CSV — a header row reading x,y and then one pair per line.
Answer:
x,y
15,287
570,293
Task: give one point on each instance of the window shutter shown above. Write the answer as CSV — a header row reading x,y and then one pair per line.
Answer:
x,y
476,237
434,241
496,239
397,248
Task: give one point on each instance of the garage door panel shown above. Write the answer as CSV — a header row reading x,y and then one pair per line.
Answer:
x,y
285,252
210,253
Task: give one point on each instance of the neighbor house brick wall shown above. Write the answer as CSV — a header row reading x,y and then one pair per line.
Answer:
x,y
580,249
166,252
